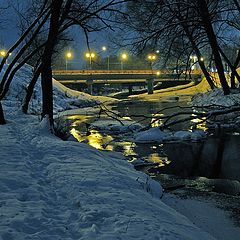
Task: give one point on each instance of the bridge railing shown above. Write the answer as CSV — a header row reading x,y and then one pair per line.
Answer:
x,y
95,72
88,72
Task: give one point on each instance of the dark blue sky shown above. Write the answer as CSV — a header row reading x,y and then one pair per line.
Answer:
x,y
9,33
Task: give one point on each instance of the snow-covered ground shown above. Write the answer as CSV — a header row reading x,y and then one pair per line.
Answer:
x,y
54,189
51,189
64,98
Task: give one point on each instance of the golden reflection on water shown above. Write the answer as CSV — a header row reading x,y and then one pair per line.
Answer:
x,y
155,122
78,119
128,149
76,134
94,139
202,125
161,160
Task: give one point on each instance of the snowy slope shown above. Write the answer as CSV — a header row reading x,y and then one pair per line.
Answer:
x,y
64,98
51,189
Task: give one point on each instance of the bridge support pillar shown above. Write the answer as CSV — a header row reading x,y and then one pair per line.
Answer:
x,y
90,86
150,82
130,88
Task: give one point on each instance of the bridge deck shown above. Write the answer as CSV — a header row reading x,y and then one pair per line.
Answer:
x,y
117,76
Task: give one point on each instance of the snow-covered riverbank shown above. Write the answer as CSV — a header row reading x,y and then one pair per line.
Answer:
x,y
68,190
53,189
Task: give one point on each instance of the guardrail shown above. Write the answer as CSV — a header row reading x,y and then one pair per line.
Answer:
x,y
95,72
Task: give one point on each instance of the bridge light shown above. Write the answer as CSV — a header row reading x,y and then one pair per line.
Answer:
x,y
90,55
69,55
124,56
158,73
151,57
3,53
104,48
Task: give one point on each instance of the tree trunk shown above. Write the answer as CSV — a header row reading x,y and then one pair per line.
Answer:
x,y
2,119
203,8
232,67
30,89
47,87
198,53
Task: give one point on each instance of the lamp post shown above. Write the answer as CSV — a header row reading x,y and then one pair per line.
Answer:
x,y
68,56
194,60
150,81
123,57
104,49
151,58
90,55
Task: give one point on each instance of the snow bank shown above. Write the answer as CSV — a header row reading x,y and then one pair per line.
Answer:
x,y
51,189
156,135
114,126
216,97
64,98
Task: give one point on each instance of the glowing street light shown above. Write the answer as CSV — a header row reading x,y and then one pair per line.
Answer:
x,y
194,60
104,49
3,53
90,55
123,57
151,58
68,56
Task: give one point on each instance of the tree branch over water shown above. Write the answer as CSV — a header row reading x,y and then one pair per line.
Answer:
x,y
207,114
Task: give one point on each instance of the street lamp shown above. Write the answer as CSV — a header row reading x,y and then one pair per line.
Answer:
x,y
3,53
104,49
151,58
194,60
123,57
90,55
68,56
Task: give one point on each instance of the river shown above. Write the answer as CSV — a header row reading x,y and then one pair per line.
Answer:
x,y
217,156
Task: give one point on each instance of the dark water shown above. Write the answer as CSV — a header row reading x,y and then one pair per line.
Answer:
x,y
215,157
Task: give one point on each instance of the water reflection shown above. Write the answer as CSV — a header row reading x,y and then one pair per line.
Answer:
x,y
94,139
216,157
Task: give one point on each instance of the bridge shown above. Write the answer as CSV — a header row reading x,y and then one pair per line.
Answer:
x,y
124,77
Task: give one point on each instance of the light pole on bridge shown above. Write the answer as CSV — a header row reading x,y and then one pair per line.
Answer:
x,y
123,58
68,56
90,56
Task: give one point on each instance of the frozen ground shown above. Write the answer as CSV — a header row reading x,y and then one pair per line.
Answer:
x,y
51,189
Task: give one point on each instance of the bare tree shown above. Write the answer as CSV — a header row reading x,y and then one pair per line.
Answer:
x,y
202,24
91,15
